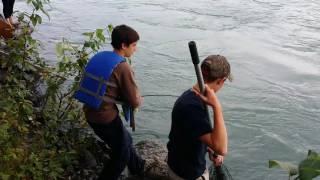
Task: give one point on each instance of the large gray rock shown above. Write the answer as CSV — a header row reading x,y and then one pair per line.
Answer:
x,y
155,154
153,151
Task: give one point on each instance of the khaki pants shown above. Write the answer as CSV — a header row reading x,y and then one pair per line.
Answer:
x,y
173,176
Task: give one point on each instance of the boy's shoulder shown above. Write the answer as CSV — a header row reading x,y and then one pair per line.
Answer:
x,y
188,102
188,97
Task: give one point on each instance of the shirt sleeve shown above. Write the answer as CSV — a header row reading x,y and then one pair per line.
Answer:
x,y
196,121
128,87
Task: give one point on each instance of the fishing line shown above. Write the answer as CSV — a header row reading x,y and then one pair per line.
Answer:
x,y
160,95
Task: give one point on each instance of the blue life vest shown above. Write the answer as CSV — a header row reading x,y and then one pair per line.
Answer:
x,y
94,81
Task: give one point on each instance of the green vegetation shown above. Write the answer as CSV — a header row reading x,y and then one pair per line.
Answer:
x,y
43,134
307,169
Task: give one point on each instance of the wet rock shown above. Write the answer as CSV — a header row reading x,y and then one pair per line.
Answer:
x,y
155,154
153,151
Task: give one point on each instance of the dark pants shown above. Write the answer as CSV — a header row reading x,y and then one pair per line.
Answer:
x,y
122,152
7,8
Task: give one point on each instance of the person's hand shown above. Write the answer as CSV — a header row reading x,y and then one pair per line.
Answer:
x,y
218,160
209,96
215,158
141,100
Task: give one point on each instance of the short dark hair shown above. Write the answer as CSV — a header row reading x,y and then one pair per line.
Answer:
x,y
215,67
123,34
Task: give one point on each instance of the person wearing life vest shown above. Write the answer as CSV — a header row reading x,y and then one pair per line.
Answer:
x,y
103,116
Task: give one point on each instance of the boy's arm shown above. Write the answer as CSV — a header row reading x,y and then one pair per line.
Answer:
x,y
129,88
217,140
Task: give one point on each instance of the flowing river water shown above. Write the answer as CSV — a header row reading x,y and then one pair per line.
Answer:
x,y
272,108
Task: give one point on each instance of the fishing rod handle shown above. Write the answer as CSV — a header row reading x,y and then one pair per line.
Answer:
x,y
194,52
199,78
196,61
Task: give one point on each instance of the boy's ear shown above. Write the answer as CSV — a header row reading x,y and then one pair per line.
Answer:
x,y
220,81
205,73
123,46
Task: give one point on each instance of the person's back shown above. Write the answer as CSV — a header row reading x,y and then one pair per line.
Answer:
x,y
189,121
191,132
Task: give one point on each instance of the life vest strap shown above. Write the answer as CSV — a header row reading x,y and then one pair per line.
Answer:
x,y
101,80
111,100
95,77
104,98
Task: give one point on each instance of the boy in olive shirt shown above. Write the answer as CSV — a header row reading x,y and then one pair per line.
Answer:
x,y
106,121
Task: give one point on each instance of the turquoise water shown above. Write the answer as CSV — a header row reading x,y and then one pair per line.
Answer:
x,y
272,109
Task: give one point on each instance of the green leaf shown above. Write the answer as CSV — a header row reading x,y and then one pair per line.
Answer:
x,y
312,154
290,168
89,34
39,19
100,36
59,49
308,173
45,12
110,28
99,31
310,167
33,20
86,44
35,5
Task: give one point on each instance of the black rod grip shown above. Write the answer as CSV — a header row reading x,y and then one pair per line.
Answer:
x,y
194,52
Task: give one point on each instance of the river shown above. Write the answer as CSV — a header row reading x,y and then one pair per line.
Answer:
x,y
272,108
